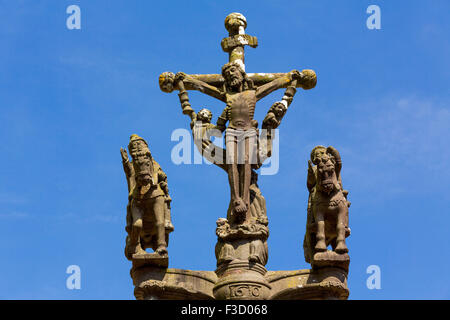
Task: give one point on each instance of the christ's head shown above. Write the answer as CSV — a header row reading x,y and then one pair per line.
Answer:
x,y
234,76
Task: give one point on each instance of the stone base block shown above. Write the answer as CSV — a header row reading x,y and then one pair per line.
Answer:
x,y
241,280
331,259
155,283
150,259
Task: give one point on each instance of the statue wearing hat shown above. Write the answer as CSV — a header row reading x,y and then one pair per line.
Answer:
x,y
148,209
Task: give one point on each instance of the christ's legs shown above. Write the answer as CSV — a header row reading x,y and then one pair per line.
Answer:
x,y
241,147
234,172
250,153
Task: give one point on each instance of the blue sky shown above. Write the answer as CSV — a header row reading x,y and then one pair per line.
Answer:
x,y
69,99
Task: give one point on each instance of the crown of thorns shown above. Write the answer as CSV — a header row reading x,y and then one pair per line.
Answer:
x,y
232,64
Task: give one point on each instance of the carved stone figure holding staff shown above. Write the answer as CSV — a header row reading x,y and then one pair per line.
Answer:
x,y
148,209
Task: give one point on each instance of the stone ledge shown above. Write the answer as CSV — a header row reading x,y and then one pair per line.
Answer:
x,y
153,282
150,259
326,283
160,283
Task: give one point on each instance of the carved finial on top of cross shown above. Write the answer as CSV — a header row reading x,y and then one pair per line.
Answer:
x,y
234,44
235,23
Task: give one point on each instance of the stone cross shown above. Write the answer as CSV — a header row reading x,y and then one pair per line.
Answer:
x,y
242,249
235,23
240,92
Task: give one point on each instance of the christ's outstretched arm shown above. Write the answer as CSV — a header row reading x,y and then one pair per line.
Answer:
x,y
201,86
276,84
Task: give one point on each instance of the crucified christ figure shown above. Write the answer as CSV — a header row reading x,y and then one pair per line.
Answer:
x,y
240,95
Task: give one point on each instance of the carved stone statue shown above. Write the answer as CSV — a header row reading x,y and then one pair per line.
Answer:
x,y
236,144
242,235
240,92
148,209
241,250
274,115
240,95
327,214
232,229
255,231
254,228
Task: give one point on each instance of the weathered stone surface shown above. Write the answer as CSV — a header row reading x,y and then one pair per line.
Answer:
x,y
148,210
331,259
327,213
327,283
241,280
243,233
241,250
166,80
228,44
153,283
150,259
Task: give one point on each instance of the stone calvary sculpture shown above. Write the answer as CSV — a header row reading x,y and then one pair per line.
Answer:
x,y
148,209
241,249
327,214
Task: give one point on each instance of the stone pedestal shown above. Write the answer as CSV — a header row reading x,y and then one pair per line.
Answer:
x,y
150,259
238,280
241,280
322,284
154,283
330,259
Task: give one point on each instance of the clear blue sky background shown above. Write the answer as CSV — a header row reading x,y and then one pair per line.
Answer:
x,y
69,99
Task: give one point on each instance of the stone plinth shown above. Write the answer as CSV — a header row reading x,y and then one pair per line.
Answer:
x,y
321,284
330,259
157,283
152,259
239,282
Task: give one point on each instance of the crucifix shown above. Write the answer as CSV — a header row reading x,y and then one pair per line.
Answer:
x,y
241,249
239,91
